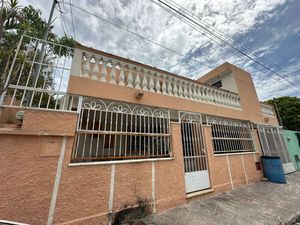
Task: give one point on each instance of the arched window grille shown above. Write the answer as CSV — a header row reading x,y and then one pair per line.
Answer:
x,y
117,131
230,136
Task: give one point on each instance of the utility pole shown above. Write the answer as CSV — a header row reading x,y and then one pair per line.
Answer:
x,y
37,68
278,115
50,19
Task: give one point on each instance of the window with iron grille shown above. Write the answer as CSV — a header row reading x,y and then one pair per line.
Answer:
x,y
273,143
230,136
118,131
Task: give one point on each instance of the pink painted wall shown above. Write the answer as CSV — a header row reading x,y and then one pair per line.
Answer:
x,y
30,159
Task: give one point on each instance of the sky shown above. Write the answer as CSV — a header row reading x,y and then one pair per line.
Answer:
x,y
269,29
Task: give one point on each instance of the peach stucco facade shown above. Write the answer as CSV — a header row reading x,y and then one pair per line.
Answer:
x,y
29,163
39,185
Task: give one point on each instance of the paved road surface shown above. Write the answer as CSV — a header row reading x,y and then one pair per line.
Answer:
x,y
256,204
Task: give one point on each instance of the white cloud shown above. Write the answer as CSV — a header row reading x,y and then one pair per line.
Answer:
x,y
233,17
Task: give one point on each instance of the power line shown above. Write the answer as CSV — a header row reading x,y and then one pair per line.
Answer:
x,y
62,21
208,26
138,35
72,19
144,38
199,30
245,48
225,41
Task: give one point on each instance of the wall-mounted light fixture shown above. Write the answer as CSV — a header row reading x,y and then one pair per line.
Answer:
x,y
139,94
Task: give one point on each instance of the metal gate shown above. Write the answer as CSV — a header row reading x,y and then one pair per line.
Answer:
x,y
273,144
194,152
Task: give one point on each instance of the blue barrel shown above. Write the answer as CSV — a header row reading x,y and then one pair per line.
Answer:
x,y
273,169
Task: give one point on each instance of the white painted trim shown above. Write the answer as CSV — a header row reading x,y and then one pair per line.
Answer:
x,y
229,170
119,162
255,158
56,182
111,192
244,168
153,187
12,223
267,125
237,153
39,109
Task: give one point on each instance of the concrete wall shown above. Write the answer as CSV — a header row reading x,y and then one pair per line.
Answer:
x,y
232,170
28,164
27,176
293,146
243,85
88,87
85,193
245,88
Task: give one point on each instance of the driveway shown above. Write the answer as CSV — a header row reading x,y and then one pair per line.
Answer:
x,y
262,202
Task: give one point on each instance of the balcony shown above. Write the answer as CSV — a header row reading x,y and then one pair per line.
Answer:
x,y
106,68
43,84
267,110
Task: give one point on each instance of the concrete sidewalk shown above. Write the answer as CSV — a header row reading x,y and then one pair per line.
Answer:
x,y
259,203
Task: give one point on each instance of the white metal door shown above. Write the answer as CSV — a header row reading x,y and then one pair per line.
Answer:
x,y
194,152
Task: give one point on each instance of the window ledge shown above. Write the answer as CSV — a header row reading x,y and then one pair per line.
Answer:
x,y
235,153
119,162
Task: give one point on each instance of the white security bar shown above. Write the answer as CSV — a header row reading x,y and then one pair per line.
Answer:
x,y
39,75
194,152
230,136
119,131
273,143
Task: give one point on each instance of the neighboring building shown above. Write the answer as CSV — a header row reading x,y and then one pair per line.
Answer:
x,y
100,132
293,141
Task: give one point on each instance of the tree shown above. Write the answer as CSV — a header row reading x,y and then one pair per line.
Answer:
x,y
14,22
289,111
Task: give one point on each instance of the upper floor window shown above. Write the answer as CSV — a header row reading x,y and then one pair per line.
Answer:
x,y
217,84
119,131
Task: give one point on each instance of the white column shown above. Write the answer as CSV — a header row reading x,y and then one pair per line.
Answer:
x,y
95,71
157,86
137,82
145,83
151,83
163,86
113,74
130,78
175,88
103,71
169,86
122,76
86,67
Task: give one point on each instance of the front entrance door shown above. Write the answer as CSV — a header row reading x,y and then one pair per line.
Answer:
x,y
194,152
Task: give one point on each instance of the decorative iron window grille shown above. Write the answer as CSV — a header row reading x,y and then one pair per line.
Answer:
x,y
118,131
273,143
230,136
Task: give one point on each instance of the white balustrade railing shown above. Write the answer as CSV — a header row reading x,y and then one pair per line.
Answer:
x,y
267,110
119,72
